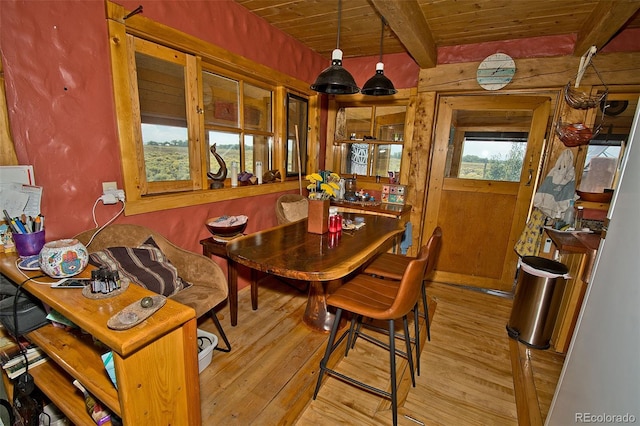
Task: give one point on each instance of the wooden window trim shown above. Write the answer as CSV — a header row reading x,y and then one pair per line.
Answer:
x,y
212,57
404,97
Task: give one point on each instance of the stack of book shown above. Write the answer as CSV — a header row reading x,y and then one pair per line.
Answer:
x,y
13,354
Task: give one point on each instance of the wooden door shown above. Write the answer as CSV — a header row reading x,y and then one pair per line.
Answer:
x,y
481,201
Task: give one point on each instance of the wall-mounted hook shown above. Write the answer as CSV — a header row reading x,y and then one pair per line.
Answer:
x,y
134,12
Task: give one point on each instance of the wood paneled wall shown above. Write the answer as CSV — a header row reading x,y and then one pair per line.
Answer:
x,y
535,76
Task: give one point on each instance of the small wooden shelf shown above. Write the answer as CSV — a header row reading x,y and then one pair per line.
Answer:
x,y
78,356
156,362
58,387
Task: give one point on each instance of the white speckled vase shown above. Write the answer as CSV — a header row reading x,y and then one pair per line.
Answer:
x,y
63,258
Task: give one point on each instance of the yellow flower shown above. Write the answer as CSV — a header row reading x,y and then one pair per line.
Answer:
x,y
327,189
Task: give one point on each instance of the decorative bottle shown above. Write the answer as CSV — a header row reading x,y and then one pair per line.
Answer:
x,y
234,174
578,218
569,215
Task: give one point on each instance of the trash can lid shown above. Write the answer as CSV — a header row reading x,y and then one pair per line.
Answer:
x,y
546,265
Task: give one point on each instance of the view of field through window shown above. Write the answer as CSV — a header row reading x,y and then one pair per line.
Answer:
x,y
491,160
166,152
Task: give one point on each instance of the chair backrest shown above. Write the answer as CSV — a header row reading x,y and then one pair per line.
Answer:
x,y
431,249
417,270
291,206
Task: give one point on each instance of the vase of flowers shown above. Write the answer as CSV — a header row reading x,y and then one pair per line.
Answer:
x,y
321,189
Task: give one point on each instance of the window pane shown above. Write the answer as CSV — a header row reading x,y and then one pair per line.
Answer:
x,y
358,122
221,100
161,90
386,159
488,156
355,159
257,148
600,164
227,146
166,153
297,124
257,108
390,123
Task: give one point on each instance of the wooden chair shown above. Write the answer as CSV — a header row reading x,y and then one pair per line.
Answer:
x,y
379,299
393,266
290,199
208,283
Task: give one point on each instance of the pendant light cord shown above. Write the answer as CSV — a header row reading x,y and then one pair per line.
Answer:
x,y
339,20
382,21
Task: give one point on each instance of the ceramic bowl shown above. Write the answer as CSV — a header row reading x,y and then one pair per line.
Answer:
x,y
226,226
63,258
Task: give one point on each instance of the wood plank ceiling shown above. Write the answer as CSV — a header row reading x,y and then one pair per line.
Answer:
x,y
419,27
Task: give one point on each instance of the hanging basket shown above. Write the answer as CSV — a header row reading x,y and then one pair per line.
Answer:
x,y
575,134
581,100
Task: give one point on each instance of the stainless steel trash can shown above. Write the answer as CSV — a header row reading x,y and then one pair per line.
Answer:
x,y
539,291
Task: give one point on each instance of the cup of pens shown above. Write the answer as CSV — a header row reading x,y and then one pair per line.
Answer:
x,y
29,244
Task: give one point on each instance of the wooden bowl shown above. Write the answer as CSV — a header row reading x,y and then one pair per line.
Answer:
x,y
220,227
596,197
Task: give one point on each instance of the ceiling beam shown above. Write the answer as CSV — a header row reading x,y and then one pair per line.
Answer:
x,y
406,20
607,18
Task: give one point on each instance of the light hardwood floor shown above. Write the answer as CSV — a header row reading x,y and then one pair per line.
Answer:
x,y
467,369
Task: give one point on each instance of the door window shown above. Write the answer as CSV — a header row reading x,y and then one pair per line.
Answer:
x,y
487,156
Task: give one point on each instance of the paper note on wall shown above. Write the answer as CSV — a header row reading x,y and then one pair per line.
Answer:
x,y
18,194
17,174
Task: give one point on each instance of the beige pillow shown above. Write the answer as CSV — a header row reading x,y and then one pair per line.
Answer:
x,y
296,210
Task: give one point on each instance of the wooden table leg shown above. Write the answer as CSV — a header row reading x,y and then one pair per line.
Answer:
x,y
254,289
210,248
316,315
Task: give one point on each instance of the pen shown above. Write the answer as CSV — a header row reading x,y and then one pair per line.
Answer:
x,y
18,224
37,224
9,221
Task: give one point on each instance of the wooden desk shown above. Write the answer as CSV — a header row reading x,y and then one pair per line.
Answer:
x,y
211,247
402,212
292,252
156,361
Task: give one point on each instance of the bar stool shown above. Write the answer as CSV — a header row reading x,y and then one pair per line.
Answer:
x,y
393,266
378,299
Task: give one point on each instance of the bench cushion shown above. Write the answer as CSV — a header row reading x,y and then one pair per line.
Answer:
x,y
145,265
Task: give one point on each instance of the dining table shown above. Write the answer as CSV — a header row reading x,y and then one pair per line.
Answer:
x,y
324,260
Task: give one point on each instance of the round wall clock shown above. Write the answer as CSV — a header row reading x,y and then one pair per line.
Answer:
x,y
496,71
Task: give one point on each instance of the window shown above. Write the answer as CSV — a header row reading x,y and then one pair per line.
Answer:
x,y
297,124
371,139
487,156
601,163
161,95
237,119
605,151
179,99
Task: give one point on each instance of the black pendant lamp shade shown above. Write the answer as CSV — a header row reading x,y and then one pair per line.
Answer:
x,y
379,84
335,80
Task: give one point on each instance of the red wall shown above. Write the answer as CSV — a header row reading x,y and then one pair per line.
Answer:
x,y
60,103
59,97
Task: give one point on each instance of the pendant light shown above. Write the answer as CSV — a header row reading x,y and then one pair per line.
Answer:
x,y
335,80
379,84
